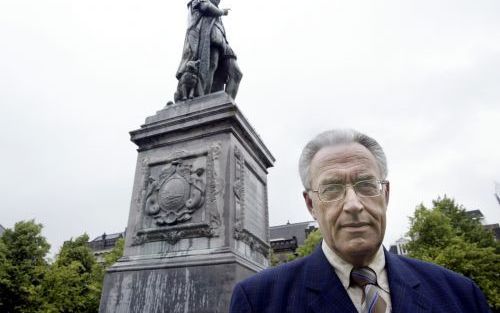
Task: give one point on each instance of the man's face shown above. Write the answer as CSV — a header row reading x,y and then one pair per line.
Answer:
x,y
354,226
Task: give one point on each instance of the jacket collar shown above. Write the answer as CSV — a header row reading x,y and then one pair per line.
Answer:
x,y
325,292
405,288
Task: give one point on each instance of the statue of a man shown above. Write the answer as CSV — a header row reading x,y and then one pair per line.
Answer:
x,y
206,44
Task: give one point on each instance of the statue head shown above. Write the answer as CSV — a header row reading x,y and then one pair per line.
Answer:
x,y
192,66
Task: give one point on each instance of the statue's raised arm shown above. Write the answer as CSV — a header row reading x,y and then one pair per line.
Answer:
x,y
208,63
208,8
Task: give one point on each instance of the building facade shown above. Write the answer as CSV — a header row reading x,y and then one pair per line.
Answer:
x,y
399,247
104,244
285,239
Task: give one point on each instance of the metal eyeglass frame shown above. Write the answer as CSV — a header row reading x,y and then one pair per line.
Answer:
x,y
380,182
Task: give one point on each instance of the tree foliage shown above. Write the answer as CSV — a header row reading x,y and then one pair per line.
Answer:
x,y
446,235
74,281
273,258
115,254
22,268
311,242
28,284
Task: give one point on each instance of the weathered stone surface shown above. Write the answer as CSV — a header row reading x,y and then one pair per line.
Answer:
x,y
201,288
198,217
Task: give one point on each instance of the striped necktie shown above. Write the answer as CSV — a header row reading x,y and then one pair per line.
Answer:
x,y
366,278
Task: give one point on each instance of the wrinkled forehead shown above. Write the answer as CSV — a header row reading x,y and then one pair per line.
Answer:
x,y
344,163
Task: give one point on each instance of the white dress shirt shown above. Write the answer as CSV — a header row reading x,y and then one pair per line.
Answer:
x,y
343,271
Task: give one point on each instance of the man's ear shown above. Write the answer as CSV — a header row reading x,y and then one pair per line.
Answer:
x,y
309,203
386,193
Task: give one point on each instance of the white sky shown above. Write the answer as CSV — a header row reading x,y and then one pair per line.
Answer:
x,y
422,77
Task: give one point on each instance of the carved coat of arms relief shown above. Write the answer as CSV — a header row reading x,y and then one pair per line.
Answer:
x,y
179,197
176,194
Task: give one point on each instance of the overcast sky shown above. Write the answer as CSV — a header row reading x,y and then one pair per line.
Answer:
x,y
422,77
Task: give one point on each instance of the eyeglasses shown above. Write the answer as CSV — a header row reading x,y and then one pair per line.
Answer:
x,y
364,188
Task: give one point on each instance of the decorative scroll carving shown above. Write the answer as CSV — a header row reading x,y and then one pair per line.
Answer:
x,y
239,182
176,194
252,241
266,212
175,188
145,172
212,209
173,234
239,189
240,233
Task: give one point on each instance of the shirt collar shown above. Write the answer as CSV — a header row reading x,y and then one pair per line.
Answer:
x,y
343,268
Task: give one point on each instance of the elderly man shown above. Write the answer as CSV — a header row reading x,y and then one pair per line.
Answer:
x,y
344,176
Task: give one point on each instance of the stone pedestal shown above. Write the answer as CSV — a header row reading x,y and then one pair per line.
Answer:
x,y
198,219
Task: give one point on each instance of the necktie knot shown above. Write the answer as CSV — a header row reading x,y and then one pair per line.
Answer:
x,y
366,278
363,276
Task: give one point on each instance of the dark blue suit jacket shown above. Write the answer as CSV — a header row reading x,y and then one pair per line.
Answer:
x,y
311,285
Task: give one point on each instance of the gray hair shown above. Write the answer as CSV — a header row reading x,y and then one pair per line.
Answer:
x,y
336,137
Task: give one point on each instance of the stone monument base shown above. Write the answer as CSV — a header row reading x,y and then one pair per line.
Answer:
x,y
188,285
198,219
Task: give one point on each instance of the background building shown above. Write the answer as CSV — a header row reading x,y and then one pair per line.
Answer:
x,y
104,244
399,247
286,238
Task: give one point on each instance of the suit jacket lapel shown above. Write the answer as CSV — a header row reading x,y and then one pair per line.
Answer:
x,y
405,287
325,292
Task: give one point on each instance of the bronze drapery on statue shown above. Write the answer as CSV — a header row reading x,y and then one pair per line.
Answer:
x,y
208,63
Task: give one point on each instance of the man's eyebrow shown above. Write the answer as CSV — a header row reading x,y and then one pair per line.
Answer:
x,y
364,177
331,180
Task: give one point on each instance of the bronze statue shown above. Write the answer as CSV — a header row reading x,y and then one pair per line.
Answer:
x,y
206,43
188,85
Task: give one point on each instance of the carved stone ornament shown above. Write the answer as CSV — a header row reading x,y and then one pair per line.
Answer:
x,y
180,196
239,232
173,234
252,241
176,194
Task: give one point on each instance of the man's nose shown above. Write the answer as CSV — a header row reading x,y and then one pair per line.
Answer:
x,y
352,204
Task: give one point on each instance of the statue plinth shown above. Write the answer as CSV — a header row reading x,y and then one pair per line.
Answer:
x,y
198,220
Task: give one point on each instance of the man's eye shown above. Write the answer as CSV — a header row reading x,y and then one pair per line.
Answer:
x,y
367,187
333,188
367,184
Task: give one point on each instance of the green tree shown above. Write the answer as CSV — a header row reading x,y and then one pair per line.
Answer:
x,y
28,284
311,242
5,284
447,236
22,267
77,250
74,281
114,254
273,258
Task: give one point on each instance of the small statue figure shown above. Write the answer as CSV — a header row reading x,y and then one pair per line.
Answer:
x,y
206,42
188,86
